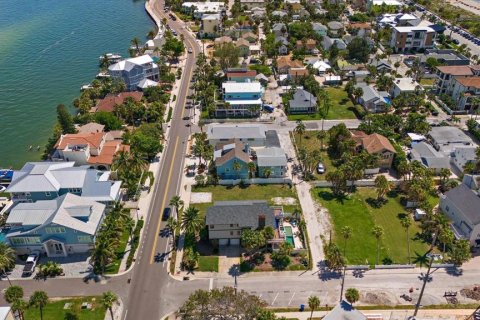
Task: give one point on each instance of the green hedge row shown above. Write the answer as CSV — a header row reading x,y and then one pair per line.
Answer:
x,y
135,242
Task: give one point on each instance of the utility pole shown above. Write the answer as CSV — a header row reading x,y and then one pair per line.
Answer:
x,y
235,286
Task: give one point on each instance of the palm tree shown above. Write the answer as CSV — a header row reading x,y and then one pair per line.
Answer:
x,y
13,293
39,299
321,135
19,306
352,295
7,259
151,34
103,253
177,203
191,221
406,223
252,168
446,236
300,129
108,299
136,42
357,93
382,185
377,231
171,226
267,172
313,303
346,234
237,167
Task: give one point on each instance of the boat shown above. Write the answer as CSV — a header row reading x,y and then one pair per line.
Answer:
x,y
103,75
86,87
6,174
112,57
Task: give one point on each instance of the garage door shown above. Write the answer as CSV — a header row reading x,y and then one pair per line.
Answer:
x,y
223,242
235,242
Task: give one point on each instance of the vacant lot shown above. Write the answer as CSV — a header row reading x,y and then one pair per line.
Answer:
x,y
357,213
55,310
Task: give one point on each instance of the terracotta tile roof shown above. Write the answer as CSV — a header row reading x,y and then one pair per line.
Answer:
x,y
309,44
90,127
248,73
360,25
93,139
298,72
456,70
236,152
372,143
108,103
476,67
286,61
470,82
249,35
242,42
110,148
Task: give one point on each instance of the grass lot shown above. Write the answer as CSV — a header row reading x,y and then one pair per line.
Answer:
x,y
310,142
208,264
115,266
427,82
252,192
54,310
358,214
342,107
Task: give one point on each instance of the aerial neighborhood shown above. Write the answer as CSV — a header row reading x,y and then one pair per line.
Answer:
x,y
264,149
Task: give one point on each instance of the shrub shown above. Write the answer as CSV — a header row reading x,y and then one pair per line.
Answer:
x,y
134,243
50,269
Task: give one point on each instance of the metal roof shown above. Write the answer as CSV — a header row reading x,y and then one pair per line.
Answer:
x,y
232,131
243,213
467,201
271,157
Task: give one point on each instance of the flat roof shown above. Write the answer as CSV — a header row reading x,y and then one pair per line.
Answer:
x,y
242,87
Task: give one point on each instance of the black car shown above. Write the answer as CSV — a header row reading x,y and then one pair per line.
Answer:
x,y
166,213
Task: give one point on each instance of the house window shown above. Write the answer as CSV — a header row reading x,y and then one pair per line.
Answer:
x,y
231,226
53,230
27,194
25,240
84,239
231,233
238,233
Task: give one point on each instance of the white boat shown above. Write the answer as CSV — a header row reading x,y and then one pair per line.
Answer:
x,y
103,75
86,87
112,57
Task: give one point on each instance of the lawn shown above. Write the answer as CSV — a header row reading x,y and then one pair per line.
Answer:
x,y
208,264
356,212
342,107
427,82
54,310
114,267
310,143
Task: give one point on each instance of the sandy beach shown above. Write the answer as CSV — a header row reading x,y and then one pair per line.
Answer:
x,y
468,5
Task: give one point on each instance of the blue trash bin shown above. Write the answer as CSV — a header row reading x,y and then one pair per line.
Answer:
x,y
302,307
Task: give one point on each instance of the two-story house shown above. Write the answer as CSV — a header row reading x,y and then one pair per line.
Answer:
x,y
133,70
465,90
372,100
302,102
231,160
243,47
49,180
211,24
227,219
271,162
446,76
375,144
240,99
405,39
255,135
58,228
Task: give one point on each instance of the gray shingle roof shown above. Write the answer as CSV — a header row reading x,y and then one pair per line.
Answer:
x,y
466,201
271,157
430,157
243,213
302,99
335,25
272,139
443,135
344,311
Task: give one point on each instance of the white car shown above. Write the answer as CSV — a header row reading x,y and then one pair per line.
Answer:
x,y
320,168
190,50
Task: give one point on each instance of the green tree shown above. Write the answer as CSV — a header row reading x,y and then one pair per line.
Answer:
x,y
313,304
39,299
237,166
103,253
65,120
460,252
109,120
19,306
358,49
252,239
267,172
7,258
352,295
177,203
321,135
300,130
108,300
346,234
13,293
151,34
338,180
136,43
171,226
406,224
377,232
382,186
192,222
252,168
333,257
446,237
227,55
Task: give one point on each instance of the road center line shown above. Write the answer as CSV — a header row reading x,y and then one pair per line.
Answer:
x,y
163,202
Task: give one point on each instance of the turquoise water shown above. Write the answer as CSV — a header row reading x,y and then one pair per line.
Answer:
x,y
48,49
288,235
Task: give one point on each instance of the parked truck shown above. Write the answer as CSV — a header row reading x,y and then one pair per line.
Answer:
x,y
30,264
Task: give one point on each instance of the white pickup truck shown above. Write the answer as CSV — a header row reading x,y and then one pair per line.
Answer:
x,y
31,263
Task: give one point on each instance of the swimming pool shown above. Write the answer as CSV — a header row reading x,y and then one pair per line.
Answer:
x,y
288,235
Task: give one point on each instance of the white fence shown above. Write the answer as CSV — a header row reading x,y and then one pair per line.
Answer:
x,y
234,182
358,183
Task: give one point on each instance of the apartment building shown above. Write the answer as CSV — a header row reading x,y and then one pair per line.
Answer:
x,y
406,39
446,76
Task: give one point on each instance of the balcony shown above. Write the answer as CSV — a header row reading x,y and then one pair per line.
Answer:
x,y
458,233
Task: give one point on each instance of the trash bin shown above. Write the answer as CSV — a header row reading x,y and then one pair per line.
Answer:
x,y
302,307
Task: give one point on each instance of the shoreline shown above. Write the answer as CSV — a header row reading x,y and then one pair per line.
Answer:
x,y
468,5
152,15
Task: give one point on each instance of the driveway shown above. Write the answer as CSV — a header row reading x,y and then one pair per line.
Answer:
x,y
229,256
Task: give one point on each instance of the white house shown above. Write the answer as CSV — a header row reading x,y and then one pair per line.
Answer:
x,y
404,85
252,134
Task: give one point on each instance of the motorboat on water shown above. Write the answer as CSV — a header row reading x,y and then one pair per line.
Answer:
x,y
111,57
86,87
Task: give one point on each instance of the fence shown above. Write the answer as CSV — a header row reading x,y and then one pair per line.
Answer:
x,y
447,109
234,182
357,183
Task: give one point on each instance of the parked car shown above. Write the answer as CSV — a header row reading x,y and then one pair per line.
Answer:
x,y
166,213
320,168
456,41
190,50
30,264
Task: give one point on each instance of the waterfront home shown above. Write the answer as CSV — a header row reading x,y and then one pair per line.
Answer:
x,y
49,180
226,220
57,228
252,134
240,99
231,160
241,75
108,103
302,102
133,70
461,205
271,162
199,9
375,144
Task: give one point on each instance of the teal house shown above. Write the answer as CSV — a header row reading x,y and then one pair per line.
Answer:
x,y
231,160
57,228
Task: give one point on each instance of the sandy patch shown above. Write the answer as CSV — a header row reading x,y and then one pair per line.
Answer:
x,y
200,197
284,201
382,298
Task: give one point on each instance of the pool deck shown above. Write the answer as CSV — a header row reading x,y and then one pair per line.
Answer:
x,y
296,240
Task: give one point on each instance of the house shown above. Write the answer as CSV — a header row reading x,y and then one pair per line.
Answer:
x,y
335,28
465,90
382,66
332,80
463,156
231,160
375,144
258,13
241,99
407,19
146,83
6,313
461,205
409,39
211,24
58,228
446,76
222,40
243,47
302,102
96,149
310,45
108,103
241,75
328,42
358,75
255,49
295,74
252,134
271,162
344,311
405,86
372,100
279,29
388,3
134,70
226,220
249,4
446,139
430,158
294,4
320,66
90,127
199,9
446,57
250,37
285,63
360,29
49,180
319,29
279,13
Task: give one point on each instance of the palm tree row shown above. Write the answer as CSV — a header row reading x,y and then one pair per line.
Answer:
x,y
131,169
